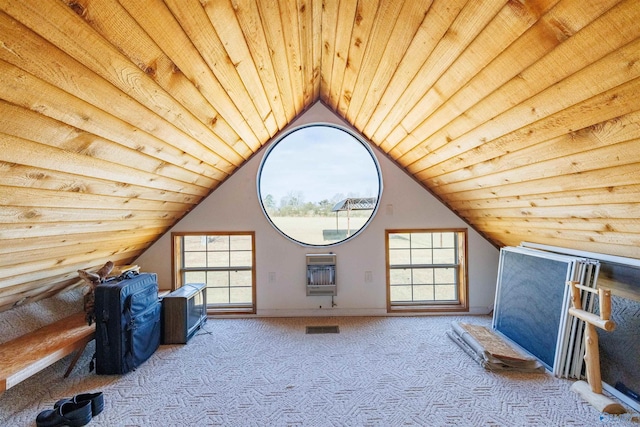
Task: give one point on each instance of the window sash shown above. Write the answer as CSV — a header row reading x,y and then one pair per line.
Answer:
x,y
434,285
217,269
227,256
414,283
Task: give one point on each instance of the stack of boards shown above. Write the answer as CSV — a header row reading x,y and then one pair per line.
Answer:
x,y
490,350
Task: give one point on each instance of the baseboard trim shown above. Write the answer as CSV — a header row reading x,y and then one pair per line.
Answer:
x,y
347,312
323,312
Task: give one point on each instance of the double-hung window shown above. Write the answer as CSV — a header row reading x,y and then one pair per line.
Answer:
x,y
426,270
225,262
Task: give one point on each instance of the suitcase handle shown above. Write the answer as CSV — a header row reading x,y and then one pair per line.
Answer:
x,y
104,328
128,356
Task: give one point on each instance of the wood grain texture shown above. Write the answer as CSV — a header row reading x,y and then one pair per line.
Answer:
x,y
117,117
26,355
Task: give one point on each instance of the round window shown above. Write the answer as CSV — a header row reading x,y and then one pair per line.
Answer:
x,y
319,185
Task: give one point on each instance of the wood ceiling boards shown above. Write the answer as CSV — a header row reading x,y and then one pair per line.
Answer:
x,y
118,117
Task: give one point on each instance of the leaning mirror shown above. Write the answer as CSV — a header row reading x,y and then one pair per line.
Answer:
x,y
319,185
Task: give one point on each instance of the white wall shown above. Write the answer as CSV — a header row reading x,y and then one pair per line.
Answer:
x,y
234,206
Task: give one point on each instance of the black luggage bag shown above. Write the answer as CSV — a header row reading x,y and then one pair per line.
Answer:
x,y
127,322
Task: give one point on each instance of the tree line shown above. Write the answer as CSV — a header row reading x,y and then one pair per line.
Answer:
x,y
294,204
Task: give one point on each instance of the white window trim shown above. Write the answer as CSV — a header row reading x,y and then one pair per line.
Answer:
x,y
462,304
178,270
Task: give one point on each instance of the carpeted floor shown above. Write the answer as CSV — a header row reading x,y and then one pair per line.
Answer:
x,y
391,371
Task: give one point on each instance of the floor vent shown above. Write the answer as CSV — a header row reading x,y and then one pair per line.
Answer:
x,y
323,330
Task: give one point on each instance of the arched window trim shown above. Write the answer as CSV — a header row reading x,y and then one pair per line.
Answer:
x,y
357,138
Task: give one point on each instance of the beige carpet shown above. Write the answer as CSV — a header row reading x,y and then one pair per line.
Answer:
x,y
396,371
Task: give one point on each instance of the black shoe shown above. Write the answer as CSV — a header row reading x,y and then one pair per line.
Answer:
x,y
97,401
68,414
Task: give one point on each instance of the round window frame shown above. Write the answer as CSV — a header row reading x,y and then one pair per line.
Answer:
x,y
358,139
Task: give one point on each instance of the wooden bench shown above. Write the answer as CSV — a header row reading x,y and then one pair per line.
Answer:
x,y
30,353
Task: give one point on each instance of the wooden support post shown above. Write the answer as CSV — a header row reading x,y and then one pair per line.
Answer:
x,y
604,296
599,401
592,358
593,319
591,391
575,295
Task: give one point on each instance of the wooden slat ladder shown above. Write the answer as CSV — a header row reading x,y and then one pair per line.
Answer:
x,y
30,353
592,391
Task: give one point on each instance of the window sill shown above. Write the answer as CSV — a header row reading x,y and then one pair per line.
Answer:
x,y
427,308
211,311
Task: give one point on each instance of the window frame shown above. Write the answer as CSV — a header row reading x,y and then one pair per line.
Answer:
x,y
178,270
366,145
462,303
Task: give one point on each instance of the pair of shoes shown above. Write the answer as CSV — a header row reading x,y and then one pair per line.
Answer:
x,y
68,414
75,411
96,399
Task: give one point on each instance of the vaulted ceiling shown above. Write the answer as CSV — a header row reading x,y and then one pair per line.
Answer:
x,y
118,117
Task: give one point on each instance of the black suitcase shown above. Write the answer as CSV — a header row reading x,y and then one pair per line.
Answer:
x,y
127,322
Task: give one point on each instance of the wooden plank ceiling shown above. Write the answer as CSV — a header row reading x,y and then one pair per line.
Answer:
x,y
118,117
